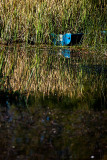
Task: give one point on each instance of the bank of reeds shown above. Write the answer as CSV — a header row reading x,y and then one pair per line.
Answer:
x,y
33,20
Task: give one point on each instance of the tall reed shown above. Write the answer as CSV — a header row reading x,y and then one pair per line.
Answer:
x,y
33,20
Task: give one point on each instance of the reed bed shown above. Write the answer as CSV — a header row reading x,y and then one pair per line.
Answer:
x,y
34,20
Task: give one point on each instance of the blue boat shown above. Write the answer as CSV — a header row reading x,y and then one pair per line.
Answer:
x,y
66,39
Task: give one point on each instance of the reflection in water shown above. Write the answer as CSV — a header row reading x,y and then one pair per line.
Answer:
x,y
64,52
52,107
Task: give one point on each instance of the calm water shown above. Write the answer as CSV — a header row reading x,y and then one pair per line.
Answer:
x,y
52,103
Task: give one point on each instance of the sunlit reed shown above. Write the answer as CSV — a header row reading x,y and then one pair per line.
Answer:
x,y
34,20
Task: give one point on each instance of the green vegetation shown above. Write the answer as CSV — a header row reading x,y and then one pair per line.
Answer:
x,y
80,81
52,107
32,20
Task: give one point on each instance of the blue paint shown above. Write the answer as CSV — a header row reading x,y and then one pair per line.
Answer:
x,y
66,53
68,38
60,39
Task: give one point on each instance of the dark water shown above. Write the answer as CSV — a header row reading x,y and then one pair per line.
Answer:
x,y
52,104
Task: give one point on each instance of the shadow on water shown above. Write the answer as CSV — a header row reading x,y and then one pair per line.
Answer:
x,y
52,106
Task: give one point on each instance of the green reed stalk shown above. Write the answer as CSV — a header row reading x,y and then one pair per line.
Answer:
x,y
35,20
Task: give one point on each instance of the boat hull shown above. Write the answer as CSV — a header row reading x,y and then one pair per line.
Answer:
x,y
76,39
66,39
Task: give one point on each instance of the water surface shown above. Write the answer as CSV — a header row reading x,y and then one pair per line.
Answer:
x,y
52,103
